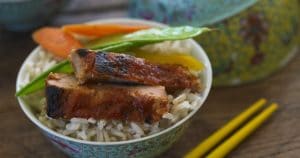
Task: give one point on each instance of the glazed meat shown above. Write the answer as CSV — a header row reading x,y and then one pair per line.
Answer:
x,y
66,99
112,67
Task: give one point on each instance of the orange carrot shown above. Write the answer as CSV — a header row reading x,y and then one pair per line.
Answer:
x,y
100,30
56,41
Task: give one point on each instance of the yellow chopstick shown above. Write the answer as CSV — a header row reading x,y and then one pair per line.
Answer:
x,y
223,149
215,138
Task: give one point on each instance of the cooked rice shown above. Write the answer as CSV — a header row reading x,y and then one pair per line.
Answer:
x,y
167,47
107,130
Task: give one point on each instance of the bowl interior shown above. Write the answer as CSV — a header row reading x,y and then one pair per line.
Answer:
x,y
197,52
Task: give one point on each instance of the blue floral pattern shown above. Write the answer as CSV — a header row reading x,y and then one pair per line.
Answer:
x,y
192,12
141,149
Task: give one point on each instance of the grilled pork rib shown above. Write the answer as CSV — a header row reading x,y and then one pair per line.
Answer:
x,y
66,99
112,67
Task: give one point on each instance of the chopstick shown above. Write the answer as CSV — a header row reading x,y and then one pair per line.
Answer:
x,y
215,138
223,149
229,144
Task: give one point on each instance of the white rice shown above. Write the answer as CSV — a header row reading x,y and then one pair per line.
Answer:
x,y
90,129
167,47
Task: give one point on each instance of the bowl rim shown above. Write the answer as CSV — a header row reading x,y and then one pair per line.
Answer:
x,y
205,93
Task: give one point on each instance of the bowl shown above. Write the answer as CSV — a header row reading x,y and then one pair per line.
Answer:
x,y
148,146
25,15
256,37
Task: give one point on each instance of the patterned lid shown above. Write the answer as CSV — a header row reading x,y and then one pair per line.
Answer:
x,y
193,12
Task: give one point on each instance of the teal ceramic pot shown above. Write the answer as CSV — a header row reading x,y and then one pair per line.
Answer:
x,y
25,15
146,147
255,37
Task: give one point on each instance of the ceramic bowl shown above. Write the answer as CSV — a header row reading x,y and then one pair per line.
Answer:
x,y
255,37
148,146
24,15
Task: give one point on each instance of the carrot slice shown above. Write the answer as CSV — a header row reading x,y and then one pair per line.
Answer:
x,y
100,30
56,41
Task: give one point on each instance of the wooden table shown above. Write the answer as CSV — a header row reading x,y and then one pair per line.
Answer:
x,y
278,137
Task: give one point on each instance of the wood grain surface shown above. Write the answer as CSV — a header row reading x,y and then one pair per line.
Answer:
x,y
279,137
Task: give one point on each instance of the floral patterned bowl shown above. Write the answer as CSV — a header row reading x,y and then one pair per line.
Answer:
x,y
148,146
255,37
